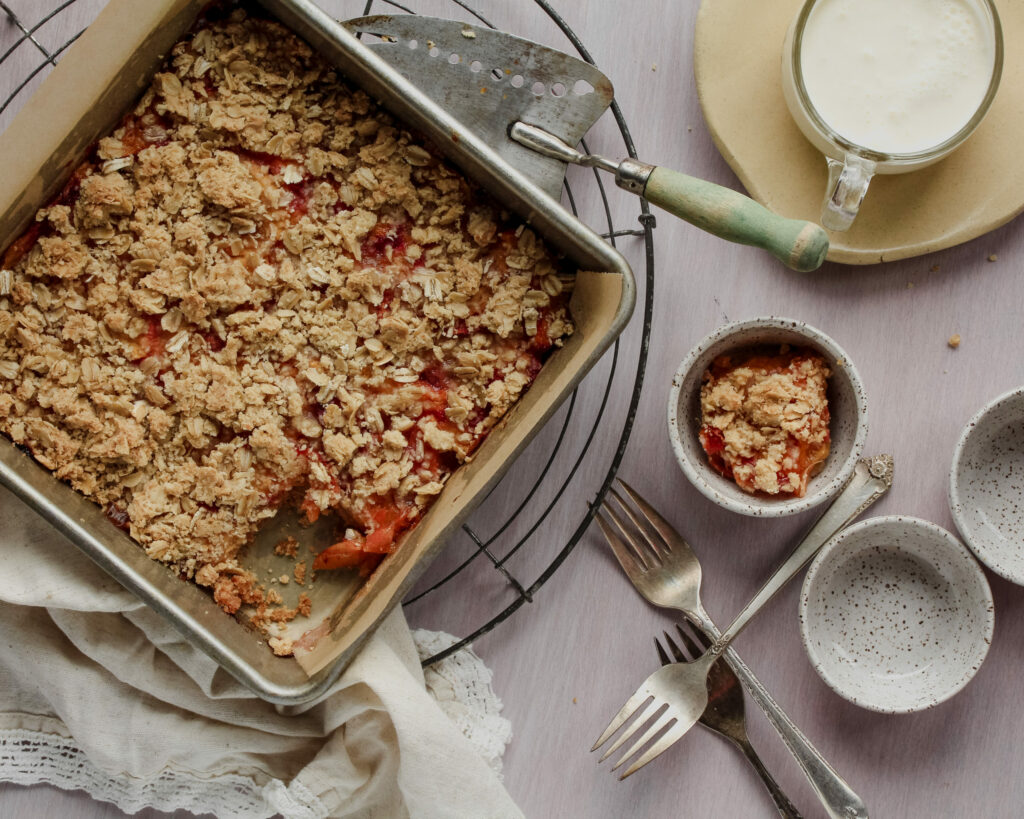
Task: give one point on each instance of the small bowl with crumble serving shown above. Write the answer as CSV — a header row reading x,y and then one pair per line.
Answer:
x,y
767,417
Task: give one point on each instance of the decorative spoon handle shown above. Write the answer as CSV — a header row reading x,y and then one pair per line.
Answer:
x,y
872,478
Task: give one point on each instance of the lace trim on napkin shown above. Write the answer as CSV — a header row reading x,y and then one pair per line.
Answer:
x,y
461,684
35,757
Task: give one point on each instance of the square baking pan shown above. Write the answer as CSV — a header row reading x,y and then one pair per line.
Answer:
x,y
95,83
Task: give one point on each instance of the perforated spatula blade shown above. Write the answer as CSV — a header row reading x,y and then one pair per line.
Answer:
x,y
489,80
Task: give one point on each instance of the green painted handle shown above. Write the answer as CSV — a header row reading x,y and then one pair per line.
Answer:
x,y
737,218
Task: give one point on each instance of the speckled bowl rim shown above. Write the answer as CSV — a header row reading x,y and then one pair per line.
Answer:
x,y
955,547
967,531
696,472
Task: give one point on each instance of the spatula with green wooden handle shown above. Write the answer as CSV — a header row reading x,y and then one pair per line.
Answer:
x,y
725,213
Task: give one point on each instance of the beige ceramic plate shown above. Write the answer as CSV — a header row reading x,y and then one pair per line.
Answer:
x,y
737,62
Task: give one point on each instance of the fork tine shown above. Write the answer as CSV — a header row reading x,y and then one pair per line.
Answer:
x,y
631,563
694,649
647,556
661,651
668,739
658,548
650,710
680,657
661,526
634,702
664,721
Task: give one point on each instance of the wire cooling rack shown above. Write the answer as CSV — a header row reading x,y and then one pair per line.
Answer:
x,y
584,443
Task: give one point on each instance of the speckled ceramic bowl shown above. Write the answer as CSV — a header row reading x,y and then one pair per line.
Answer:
x,y
896,614
846,400
986,485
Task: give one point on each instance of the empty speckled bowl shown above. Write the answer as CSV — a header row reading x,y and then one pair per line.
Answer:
x,y
847,407
986,485
896,614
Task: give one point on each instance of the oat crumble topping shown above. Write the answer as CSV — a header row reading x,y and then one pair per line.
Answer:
x,y
765,417
261,287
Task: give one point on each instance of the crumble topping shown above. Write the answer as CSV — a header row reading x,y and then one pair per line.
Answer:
x,y
261,286
765,417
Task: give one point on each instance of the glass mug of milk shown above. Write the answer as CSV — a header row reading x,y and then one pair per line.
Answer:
x,y
888,86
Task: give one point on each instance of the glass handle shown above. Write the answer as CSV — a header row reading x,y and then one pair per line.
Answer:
x,y
847,183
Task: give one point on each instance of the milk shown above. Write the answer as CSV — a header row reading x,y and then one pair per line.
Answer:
x,y
897,76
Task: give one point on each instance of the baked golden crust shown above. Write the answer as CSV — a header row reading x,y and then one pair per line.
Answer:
x,y
258,285
765,418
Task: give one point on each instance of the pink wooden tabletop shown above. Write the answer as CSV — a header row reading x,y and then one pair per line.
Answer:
x,y
565,663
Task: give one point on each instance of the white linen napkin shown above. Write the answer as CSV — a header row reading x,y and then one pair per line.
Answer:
x,y
98,693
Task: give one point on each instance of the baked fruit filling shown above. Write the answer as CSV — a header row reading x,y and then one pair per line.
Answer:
x,y
764,418
261,289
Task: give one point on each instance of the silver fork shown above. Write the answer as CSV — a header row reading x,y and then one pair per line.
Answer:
x,y
666,572
725,714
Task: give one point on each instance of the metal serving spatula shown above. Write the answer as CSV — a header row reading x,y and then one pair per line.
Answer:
x,y
532,104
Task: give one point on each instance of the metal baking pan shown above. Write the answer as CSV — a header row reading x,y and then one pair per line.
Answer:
x,y
99,78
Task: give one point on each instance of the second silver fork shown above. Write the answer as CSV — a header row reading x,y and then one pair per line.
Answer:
x,y
668,574
725,714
